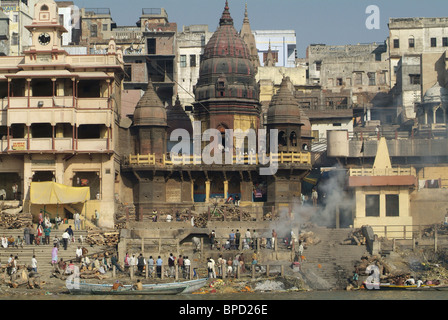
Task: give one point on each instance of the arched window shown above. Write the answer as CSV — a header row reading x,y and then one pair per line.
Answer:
x,y
44,8
411,41
293,139
440,115
282,139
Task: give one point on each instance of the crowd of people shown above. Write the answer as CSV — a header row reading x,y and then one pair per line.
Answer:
x,y
155,266
246,241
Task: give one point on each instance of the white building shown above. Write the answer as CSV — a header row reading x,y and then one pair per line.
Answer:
x,y
415,36
190,43
283,45
20,14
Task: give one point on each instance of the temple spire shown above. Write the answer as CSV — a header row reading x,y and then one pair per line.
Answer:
x,y
226,19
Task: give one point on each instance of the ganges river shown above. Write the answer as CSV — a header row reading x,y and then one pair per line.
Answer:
x,y
308,295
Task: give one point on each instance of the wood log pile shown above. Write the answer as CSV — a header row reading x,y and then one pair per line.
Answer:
x,y
309,238
201,220
226,213
15,220
355,237
100,238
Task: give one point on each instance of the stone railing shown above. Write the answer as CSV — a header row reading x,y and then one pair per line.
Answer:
x,y
251,159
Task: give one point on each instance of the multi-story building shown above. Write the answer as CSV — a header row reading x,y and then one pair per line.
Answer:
x,y
417,46
58,120
4,34
20,13
415,36
190,45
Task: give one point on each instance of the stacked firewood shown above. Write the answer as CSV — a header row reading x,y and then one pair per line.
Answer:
x,y
355,237
201,220
15,220
236,213
309,238
98,238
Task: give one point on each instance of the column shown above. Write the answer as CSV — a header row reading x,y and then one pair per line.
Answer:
x,y
29,91
226,189
207,191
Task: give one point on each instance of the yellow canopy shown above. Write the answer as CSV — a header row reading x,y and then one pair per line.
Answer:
x,y
56,193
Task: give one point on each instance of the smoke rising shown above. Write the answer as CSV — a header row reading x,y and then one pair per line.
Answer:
x,y
332,198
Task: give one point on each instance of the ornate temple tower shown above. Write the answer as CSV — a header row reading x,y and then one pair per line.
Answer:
x,y
150,119
227,94
249,38
284,115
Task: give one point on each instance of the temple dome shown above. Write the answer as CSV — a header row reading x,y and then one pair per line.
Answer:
x,y
436,94
150,110
284,108
177,118
226,69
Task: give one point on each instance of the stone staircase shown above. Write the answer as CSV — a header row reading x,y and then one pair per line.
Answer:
x,y
329,264
43,251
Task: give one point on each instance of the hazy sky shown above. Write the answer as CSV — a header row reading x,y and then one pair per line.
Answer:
x,y
335,22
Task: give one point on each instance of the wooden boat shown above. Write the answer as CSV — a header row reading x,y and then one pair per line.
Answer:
x,y
148,289
389,286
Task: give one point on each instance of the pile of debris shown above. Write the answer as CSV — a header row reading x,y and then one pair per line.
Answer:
x,y
428,232
23,278
121,215
100,238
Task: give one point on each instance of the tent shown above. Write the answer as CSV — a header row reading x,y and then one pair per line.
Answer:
x,y
55,193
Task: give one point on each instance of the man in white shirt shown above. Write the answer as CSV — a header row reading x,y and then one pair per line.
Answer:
x,y
77,221
187,264
78,254
34,263
65,239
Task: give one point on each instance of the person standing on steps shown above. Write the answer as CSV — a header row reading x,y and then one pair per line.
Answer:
x,y
77,219
34,263
65,239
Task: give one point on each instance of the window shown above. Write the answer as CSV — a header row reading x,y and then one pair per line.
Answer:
x,y
127,72
372,78
15,39
414,79
372,205
339,81
192,60
183,61
318,65
445,41
151,46
15,18
433,42
396,43
94,30
358,79
411,43
392,205
104,27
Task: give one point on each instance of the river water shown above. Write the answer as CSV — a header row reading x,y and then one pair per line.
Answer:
x,y
265,296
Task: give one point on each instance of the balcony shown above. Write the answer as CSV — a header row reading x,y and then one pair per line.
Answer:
x,y
301,158
55,102
34,145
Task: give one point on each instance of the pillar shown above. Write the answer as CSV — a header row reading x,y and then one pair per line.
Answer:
x,y
226,189
207,191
